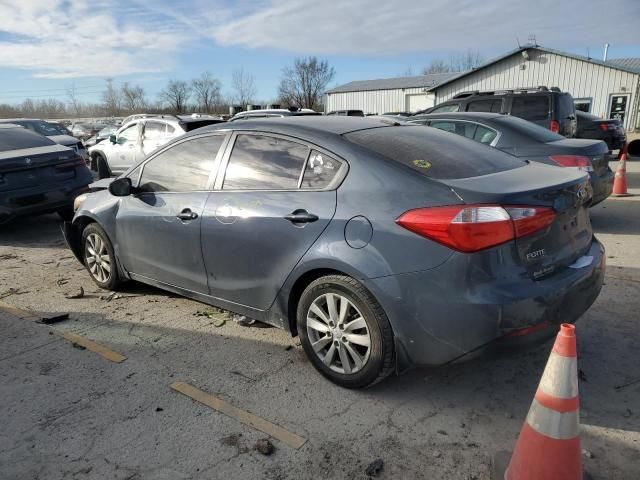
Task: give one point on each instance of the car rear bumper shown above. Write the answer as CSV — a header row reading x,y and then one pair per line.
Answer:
x,y
39,199
602,187
441,316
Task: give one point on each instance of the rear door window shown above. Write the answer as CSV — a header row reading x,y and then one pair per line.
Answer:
x,y
261,162
433,153
491,106
446,125
530,107
184,167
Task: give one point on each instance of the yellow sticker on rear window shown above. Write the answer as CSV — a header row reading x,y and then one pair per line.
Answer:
x,y
422,164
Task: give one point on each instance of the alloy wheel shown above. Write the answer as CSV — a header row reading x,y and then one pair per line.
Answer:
x,y
98,258
338,333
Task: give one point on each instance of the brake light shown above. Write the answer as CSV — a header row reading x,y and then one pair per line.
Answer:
x,y
74,162
554,126
470,228
604,126
581,162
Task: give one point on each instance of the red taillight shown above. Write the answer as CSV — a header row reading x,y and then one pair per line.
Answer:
x,y
470,228
582,162
554,126
604,126
74,162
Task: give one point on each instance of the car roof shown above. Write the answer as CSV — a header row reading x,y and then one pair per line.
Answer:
x,y
310,124
9,125
458,115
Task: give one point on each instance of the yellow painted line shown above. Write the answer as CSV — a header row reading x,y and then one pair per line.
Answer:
x,y
285,436
94,347
18,312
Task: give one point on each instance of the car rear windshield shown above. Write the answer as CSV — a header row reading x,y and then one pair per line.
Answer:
x,y
18,138
529,130
434,153
530,107
566,107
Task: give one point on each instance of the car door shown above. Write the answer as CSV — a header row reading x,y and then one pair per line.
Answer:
x,y
158,228
273,198
122,154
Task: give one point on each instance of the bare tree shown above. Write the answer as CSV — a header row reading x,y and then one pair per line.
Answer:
x,y
133,97
244,85
176,94
111,99
74,103
459,62
303,84
206,90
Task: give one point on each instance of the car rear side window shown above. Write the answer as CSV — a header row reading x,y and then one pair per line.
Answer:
x,y
321,171
447,108
184,167
261,162
491,106
530,107
528,129
18,138
434,153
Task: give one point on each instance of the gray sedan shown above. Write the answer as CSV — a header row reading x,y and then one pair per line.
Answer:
x,y
529,141
381,246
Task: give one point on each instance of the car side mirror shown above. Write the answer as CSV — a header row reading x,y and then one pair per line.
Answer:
x,y
121,187
113,138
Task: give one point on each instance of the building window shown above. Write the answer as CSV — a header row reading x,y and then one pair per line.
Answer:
x,y
583,104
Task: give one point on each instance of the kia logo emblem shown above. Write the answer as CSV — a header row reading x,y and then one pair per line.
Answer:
x,y
27,161
581,193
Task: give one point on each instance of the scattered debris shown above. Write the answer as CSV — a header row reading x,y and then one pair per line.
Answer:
x,y
54,319
437,454
442,432
109,297
8,256
72,295
581,375
586,453
12,291
62,281
264,446
374,468
240,374
159,409
243,321
78,346
288,347
220,322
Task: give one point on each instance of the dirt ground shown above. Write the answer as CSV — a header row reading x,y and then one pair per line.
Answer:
x,y
68,413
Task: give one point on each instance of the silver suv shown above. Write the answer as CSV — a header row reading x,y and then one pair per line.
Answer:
x,y
139,137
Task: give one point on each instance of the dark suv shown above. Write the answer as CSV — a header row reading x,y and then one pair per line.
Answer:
x,y
547,107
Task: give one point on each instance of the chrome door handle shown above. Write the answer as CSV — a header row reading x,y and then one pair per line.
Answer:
x,y
187,214
301,216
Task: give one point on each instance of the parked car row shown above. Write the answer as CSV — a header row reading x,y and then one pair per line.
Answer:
x,y
381,244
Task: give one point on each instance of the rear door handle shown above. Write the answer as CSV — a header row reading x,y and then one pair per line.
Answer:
x,y
187,214
301,216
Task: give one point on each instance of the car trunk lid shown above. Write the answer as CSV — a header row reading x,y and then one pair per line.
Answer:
x,y
567,192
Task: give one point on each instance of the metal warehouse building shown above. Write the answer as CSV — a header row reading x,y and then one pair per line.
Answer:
x,y
400,94
609,89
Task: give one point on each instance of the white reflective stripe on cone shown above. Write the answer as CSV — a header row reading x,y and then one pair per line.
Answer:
x,y
561,426
560,377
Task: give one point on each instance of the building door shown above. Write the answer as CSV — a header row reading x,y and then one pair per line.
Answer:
x,y
418,101
618,106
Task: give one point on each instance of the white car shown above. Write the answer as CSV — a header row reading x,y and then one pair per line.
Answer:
x,y
139,137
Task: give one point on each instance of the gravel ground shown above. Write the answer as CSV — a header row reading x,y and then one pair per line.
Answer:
x,y
69,413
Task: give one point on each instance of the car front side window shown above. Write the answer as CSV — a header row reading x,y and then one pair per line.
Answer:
x,y
261,162
129,134
184,167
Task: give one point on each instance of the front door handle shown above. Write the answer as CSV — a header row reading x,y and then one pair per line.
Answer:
x,y
187,214
301,216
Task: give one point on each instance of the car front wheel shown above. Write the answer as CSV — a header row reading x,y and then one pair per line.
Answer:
x,y
345,332
99,257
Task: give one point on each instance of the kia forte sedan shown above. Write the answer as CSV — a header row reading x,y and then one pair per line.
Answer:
x,y
382,246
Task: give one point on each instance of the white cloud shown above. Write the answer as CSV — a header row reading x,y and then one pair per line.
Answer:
x,y
75,38
365,27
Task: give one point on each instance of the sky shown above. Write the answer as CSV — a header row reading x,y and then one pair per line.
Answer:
x,y
48,45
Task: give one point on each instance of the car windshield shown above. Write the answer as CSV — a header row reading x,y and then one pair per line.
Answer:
x,y
528,129
18,138
434,153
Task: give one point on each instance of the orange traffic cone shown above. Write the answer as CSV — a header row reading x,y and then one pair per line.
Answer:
x,y
620,179
548,447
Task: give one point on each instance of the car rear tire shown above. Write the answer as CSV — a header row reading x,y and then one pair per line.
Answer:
x,y
345,332
99,258
102,167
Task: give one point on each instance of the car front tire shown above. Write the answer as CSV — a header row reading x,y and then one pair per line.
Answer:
x,y
102,167
99,258
345,332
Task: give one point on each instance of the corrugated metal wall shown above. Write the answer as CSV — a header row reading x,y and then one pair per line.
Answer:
x,y
581,79
377,101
